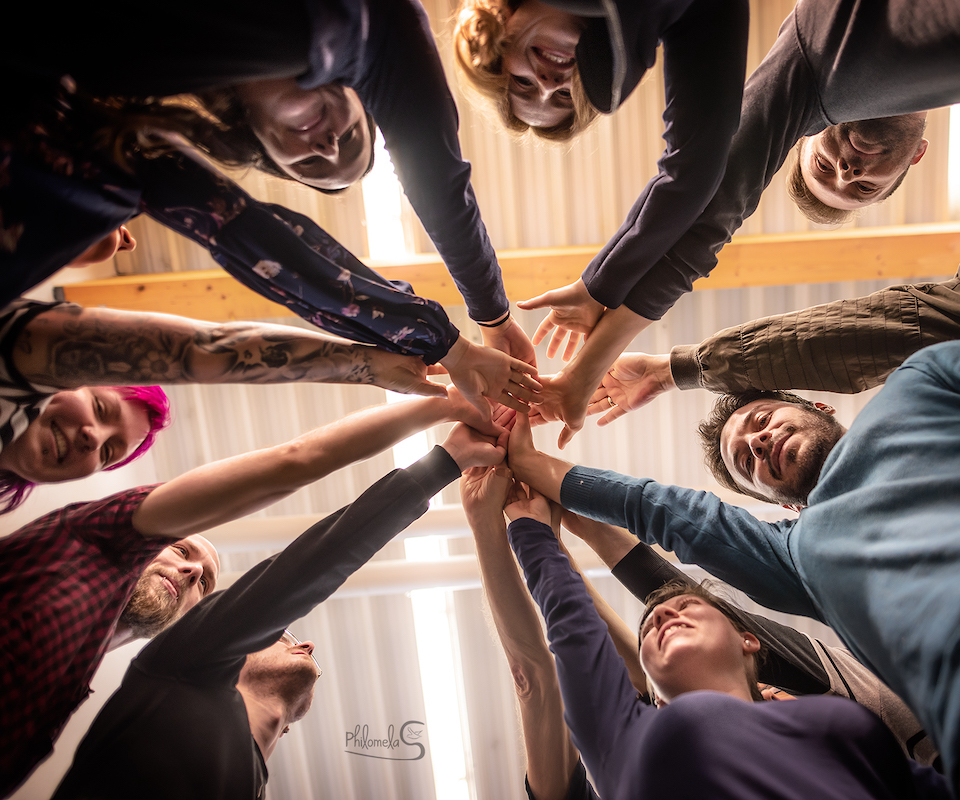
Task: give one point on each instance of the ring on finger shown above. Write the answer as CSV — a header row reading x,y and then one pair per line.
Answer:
x,y
610,400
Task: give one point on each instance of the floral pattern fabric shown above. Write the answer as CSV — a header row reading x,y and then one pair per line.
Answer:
x,y
58,197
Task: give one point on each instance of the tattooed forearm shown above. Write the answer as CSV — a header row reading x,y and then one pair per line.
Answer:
x,y
69,346
250,353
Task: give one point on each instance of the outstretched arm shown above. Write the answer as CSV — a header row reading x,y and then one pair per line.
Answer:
x,y
550,755
844,346
623,636
68,346
234,487
600,704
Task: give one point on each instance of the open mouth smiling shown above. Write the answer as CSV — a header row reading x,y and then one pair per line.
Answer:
x,y
554,58
59,441
669,630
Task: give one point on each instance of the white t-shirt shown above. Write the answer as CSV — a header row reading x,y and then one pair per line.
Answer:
x,y
21,402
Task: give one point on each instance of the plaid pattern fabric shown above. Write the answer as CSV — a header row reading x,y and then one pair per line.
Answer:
x,y
64,580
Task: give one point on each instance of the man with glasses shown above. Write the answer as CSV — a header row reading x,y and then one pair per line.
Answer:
x,y
203,706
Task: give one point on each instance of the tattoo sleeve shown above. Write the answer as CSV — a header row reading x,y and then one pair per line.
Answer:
x,y
70,346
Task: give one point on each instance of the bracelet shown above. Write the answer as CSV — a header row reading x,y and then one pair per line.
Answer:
x,y
494,324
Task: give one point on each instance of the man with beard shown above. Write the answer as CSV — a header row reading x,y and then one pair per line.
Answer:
x,y
68,576
206,702
874,554
769,445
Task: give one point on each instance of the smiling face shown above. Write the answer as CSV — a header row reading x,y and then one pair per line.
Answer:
x,y
79,432
687,644
853,164
775,450
319,137
174,582
539,58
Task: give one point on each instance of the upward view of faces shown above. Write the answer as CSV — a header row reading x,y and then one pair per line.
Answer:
x,y
287,669
687,644
853,164
319,137
775,450
78,433
174,582
539,58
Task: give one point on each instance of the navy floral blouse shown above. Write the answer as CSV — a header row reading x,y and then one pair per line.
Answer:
x,y
59,196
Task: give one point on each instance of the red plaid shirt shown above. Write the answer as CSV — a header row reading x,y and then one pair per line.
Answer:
x,y
65,578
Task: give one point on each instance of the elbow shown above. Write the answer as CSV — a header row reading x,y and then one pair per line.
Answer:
x,y
533,681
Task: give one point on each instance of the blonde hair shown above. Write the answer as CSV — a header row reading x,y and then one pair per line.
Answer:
x,y
478,36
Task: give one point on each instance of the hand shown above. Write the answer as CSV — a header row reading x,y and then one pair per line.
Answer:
x,y
573,312
509,338
483,372
769,692
403,374
562,398
526,503
470,448
633,381
483,492
521,451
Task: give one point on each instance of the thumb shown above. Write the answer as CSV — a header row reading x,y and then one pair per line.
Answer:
x,y
429,389
565,436
436,369
614,413
540,301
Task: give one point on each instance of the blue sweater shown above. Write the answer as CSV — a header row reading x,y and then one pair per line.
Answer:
x,y
875,555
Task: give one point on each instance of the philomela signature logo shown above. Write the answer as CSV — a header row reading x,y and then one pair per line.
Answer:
x,y
389,747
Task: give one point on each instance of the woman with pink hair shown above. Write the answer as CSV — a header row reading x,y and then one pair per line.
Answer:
x,y
71,434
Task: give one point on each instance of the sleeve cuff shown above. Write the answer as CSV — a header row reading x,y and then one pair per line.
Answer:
x,y
643,571
434,471
576,489
685,366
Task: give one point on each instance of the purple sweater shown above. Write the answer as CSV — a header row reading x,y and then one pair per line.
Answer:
x,y
704,744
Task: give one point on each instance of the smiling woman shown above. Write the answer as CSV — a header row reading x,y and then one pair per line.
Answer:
x,y
75,434
321,137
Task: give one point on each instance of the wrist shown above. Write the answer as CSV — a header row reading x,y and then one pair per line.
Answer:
x,y
665,372
456,353
523,464
485,521
495,323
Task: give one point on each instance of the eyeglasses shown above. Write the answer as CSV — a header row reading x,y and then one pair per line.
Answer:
x,y
292,641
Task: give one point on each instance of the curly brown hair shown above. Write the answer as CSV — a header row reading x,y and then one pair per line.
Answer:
x,y
478,36
710,429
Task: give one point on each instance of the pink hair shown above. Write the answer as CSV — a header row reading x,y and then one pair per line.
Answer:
x,y
14,489
158,413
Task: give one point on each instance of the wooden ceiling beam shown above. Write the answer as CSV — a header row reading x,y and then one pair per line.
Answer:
x,y
893,253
